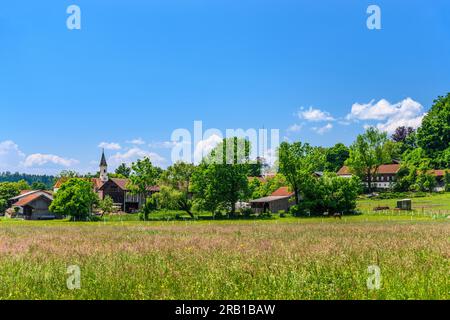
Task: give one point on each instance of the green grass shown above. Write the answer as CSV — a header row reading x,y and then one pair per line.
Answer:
x,y
433,203
281,258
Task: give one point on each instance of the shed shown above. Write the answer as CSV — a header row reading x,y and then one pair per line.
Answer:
x,y
405,204
281,199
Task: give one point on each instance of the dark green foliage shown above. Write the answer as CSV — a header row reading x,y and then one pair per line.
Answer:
x,y
8,190
150,206
47,180
434,134
221,180
75,198
368,153
447,181
335,157
39,186
123,170
297,163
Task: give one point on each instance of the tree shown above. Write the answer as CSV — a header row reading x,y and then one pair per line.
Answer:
x,y
123,170
68,174
106,205
367,154
426,181
262,188
149,206
331,194
144,175
335,157
178,178
8,190
297,163
220,181
434,134
75,198
38,186
447,181
402,133
22,185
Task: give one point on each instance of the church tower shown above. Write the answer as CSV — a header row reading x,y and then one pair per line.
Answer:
x,y
103,168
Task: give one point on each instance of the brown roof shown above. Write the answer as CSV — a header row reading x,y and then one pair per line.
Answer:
x,y
438,173
383,169
30,198
282,192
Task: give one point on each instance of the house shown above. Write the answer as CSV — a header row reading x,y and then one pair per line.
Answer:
x,y
386,175
33,205
281,199
384,178
115,188
440,179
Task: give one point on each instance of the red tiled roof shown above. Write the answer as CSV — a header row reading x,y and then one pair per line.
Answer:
x,y
30,198
282,192
383,169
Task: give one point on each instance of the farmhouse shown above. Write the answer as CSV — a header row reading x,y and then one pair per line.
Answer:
x,y
386,175
116,189
33,205
384,178
281,199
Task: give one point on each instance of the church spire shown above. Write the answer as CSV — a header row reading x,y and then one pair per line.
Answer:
x,y
103,161
103,168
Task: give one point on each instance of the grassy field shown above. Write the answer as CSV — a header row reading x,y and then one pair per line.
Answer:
x,y
433,203
290,258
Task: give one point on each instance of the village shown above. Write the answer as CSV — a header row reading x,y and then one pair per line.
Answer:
x,y
281,198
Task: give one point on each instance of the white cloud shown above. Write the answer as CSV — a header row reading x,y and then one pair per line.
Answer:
x,y
134,154
10,155
39,159
295,128
163,144
138,141
404,113
314,115
204,147
324,129
110,146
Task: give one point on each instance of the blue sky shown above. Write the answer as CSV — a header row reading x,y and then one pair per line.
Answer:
x,y
141,69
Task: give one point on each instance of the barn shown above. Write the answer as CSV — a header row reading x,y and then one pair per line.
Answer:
x,y
281,199
33,205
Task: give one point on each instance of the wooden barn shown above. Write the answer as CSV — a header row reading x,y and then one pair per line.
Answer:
x,y
33,205
116,189
281,199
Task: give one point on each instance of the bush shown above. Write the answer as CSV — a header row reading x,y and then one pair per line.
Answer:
x,y
247,212
282,213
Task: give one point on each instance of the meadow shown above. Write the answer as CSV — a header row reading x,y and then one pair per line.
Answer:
x,y
281,258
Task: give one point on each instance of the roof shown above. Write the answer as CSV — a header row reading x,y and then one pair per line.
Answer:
x,y
438,173
383,169
282,192
25,193
97,183
268,199
32,197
